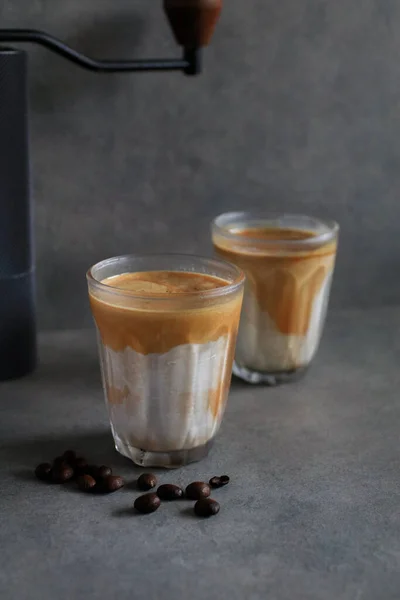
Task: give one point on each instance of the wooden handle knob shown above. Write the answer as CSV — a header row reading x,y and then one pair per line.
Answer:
x,y
193,21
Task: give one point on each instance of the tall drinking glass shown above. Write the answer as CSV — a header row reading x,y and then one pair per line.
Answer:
x,y
289,262
167,328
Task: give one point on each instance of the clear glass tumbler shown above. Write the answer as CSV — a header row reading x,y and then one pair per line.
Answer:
x,y
166,354
289,262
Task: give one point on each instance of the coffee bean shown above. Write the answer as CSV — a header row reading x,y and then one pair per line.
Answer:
x,y
86,483
103,472
217,482
80,465
197,490
92,470
148,503
169,492
147,481
70,457
62,474
206,507
43,471
60,461
110,484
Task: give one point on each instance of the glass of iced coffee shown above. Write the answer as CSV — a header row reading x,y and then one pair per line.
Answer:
x,y
289,263
167,328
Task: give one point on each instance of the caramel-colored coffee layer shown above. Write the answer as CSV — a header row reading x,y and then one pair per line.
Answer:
x,y
154,325
165,282
274,234
285,279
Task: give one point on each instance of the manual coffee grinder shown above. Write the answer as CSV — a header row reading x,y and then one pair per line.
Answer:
x,y
193,23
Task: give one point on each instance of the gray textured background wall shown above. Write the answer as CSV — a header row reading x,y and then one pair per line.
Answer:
x,y
298,109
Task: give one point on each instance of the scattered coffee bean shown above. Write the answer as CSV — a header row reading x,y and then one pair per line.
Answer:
x,y
147,481
80,465
110,484
148,503
70,457
169,492
103,472
206,507
217,482
197,490
62,473
43,471
60,461
86,483
92,470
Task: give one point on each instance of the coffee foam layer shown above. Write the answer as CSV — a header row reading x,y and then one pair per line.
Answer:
x,y
155,325
165,282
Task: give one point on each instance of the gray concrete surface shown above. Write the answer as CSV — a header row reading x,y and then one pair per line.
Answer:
x,y
312,512
298,110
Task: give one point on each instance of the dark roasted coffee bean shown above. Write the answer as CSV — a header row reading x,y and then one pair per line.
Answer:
x,y
62,474
80,465
206,507
43,471
169,492
92,470
217,482
147,481
103,472
70,456
148,503
60,461
86,483
110,484
197,490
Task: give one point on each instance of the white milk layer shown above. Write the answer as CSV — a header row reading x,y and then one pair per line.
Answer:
x,y
261,347
166,402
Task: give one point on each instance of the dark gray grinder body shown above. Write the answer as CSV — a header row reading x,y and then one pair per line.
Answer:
x,y
17,270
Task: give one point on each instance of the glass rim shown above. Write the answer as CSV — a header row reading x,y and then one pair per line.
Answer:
x,y
221,222
226,290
